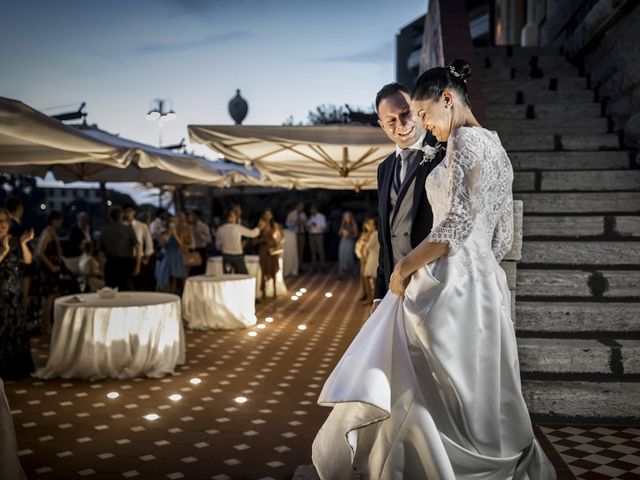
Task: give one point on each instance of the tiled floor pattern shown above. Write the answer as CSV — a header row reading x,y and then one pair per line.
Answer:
x,y
597,452
72,429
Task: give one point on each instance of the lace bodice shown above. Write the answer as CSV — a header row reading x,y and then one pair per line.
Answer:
x,y
470,194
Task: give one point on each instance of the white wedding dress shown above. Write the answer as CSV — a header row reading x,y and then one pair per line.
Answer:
x,y
430,386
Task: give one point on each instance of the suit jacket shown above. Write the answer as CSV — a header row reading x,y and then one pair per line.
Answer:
x,y
422,216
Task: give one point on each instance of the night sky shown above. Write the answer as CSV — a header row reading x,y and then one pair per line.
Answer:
x,y
286,56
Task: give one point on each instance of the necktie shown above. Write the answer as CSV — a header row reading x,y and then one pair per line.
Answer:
x,y
402,164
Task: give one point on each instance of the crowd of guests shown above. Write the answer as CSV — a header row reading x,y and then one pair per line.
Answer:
x,y
135,252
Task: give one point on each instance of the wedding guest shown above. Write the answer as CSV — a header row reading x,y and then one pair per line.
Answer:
x,y
270,244
16,212
80,232
15,355
297,222
159,224
316,226
170,268
143,236
202,235
361,255
372,251
229,242
91,278
215,225
348,233
123,251
50,267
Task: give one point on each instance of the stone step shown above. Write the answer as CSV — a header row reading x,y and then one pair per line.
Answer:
x,y
604,180
518,51
587,202
564,111
560,355
589,400
578,181
515,95
545,283
578,126
577,317
566,226
513,142
578,253
499,59
523,72
565,84
603,160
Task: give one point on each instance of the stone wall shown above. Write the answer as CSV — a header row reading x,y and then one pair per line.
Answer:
x,y
614,67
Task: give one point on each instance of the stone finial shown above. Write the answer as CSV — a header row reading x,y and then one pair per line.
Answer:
x,y
238,108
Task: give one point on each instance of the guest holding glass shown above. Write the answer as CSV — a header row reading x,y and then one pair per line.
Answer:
x,y
346,250
15,355
270,244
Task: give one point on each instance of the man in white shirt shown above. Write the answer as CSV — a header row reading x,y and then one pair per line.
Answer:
x,y
143,235
229,242
297,222
316,226
202,237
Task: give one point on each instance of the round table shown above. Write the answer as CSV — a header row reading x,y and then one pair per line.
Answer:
x,y
133,334
222,302
214,268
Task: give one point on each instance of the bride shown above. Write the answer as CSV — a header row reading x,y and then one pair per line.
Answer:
x,y
430,386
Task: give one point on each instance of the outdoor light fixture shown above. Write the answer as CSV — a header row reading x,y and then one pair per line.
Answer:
x,y
294,297
195,381
328,294
43,206
241,399
262,325
113,395
252,334
175,397
152,416
161,111
268,319
299,293
302,327
303,290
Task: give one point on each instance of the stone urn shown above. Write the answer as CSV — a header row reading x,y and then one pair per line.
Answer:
x,y
238,108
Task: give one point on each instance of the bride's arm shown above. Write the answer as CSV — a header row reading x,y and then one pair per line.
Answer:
x,y
457,224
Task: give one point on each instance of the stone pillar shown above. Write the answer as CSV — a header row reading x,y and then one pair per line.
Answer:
x,y
529,36
510,16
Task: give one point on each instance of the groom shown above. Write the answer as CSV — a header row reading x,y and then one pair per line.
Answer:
x,y
405,216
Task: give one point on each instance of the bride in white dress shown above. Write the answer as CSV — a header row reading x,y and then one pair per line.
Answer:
x,y
430,386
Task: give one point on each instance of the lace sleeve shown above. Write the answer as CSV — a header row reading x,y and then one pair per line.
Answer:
x,y
502,240
463,160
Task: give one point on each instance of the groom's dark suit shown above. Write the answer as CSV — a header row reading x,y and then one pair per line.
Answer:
x,y
420,213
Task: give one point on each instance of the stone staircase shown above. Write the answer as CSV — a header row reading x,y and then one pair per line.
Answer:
x,y
578,283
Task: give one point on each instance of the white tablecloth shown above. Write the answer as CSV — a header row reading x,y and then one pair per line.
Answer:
x,y
134,334
290,255
214,267
223,301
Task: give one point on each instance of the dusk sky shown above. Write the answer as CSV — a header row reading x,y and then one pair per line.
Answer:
x,y
286,56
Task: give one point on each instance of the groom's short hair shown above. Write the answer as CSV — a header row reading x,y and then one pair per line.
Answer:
x,y
389,90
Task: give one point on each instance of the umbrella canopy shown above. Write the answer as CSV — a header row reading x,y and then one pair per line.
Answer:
x,y
334,157
32,143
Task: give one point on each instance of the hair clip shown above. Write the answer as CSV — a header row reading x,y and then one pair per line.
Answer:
x,y
456,74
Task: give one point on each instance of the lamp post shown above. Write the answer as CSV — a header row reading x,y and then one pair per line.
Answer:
x,y
161,111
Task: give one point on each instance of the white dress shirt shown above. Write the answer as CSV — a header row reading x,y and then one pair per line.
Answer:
x,y
157,228
317,223
296,221
202,234
143,235
402,154
229,237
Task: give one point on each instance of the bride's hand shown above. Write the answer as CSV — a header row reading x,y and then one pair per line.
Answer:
x,y
399,280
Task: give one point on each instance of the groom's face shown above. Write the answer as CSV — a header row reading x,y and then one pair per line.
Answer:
x,y
397,120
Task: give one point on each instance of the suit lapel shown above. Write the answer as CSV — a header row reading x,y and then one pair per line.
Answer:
x,y
386,189
415,167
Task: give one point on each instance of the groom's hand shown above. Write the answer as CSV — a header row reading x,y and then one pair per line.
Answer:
x,y
398,281
374,305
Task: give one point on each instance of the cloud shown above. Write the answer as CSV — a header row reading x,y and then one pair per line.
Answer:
x,y
382,53
190,44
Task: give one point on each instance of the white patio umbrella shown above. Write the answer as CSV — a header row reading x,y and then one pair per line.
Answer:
x,y
333,157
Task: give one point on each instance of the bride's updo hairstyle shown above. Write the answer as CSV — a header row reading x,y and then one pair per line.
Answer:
x,y
434,81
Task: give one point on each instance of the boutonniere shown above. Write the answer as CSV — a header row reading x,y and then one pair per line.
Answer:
x,y
429,152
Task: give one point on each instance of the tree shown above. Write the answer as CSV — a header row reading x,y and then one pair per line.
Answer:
x,y
328,114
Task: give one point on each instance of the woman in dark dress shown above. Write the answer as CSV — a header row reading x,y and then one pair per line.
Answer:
x,y
15,355
270,246
50,267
